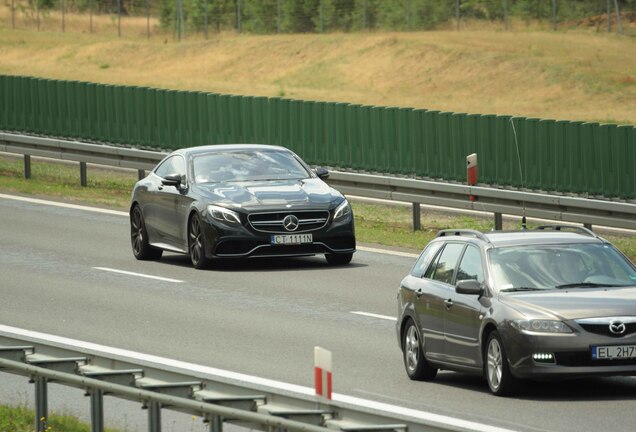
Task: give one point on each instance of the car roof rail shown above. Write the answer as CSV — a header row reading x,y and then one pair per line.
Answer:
x,y
562,227
463,232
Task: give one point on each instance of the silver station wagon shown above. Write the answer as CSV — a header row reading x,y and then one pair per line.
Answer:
x,y
548,303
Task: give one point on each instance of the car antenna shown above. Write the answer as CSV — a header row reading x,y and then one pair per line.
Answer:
x,y
523,203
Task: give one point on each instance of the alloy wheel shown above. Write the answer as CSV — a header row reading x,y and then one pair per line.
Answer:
x,y
137,232
411,349
196,242
495,364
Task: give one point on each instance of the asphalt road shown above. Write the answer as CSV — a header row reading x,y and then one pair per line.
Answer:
x,y
260,318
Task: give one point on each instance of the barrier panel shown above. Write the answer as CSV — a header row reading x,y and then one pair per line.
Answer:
x,y
557,156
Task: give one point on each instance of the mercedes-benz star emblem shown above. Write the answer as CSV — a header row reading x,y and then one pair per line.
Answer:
x,y
617,327
290,223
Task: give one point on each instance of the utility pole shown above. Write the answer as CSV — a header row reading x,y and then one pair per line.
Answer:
x,y
506,15
618,17
457,4
238,16
321,17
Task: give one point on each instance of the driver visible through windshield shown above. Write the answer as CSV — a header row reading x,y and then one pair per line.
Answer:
x,y
236,166
540,267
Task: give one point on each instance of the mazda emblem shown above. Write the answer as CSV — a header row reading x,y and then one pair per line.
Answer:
x,y
617,327
290,223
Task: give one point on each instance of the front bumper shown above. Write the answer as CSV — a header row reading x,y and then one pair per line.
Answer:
x,y
240,241
571,355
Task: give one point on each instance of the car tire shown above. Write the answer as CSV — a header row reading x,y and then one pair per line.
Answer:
x,y
496,368
196,243
139,237
339,259
417,367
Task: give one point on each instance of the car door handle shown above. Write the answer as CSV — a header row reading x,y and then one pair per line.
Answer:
x,y
419,293
448,303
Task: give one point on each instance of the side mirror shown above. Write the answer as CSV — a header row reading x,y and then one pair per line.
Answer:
x,y
172,180
468,286
322,173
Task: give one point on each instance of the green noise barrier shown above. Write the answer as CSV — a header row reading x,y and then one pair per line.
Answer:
x,y
535,154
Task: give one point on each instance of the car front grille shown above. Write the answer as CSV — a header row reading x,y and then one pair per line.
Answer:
x,y
272,222
603,329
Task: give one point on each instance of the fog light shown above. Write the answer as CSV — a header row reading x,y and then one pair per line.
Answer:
x,y
543,357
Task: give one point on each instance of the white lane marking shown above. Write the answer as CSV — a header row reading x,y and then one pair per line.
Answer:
x,y
121,213
193,369
64,205
387,252
372,315
138,274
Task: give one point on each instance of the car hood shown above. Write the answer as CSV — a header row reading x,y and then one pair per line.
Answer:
x,y
312,193
576,303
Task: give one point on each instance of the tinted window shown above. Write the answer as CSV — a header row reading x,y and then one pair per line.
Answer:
x,y
442,269
248,165
172,165
425,258
471,266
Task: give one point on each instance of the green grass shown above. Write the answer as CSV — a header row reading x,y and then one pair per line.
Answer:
x,y
22,419
387,225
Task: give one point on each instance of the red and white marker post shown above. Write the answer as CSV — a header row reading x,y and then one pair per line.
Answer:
x,y
471,171
322,372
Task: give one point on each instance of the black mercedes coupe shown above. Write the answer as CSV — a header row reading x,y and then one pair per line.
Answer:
x,y
239,201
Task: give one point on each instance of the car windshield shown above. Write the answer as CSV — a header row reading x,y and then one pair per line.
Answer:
x,y
539,267
247,165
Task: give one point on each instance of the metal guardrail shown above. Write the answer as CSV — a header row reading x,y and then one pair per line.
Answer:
x,y
575,209
158,384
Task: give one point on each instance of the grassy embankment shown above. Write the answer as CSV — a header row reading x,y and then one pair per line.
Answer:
x,y
572,74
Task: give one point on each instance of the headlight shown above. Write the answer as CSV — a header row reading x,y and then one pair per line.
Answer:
x,y
541,326
342,210
224,215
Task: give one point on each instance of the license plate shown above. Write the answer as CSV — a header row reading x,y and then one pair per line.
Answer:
x,y
291,239
612,352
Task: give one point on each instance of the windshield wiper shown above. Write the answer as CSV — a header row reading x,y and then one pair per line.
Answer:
x,y
587,285
521,289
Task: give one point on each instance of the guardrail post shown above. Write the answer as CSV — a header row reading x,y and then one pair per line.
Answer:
x,y
154,416
417,212
141,174
216,425
27,166
97,410
41,403
498,221
83,174
588,226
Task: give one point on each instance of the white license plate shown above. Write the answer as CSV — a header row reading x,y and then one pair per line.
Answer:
x,y
612,352
291,239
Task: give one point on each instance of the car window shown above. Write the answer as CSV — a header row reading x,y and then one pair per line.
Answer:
x,y
550,266
471,266
425,258
172,165
443,268
247,165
